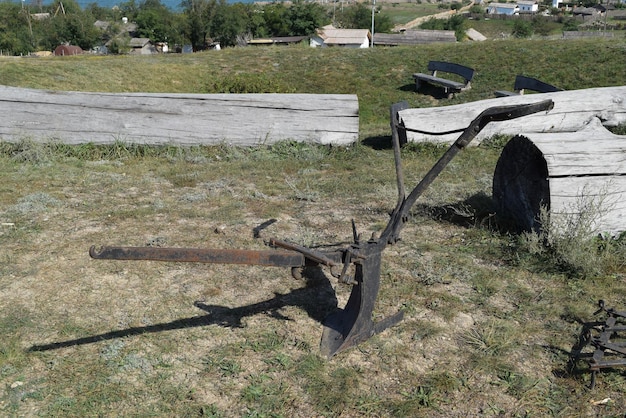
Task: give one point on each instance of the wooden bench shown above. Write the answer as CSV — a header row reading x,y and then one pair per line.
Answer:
x,y
449,86
523,82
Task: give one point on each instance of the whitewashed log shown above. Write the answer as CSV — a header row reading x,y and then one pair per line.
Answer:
x,y
576,176
181,119
573,109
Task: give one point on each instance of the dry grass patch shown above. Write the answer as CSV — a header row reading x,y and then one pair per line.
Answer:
x,y
485,332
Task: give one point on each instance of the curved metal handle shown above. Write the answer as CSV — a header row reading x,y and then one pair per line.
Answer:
x,y
492,114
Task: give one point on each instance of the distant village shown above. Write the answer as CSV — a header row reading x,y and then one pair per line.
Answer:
x,y
329,36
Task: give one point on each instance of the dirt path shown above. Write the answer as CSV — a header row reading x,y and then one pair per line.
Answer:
x,y
443,15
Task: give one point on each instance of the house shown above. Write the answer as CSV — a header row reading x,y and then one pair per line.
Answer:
x,y
103,25
67,50
586,13
509,9
141,46
527,7
331,36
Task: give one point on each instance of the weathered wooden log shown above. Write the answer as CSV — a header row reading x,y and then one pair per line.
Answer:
x,y
578,177
181,119
573,110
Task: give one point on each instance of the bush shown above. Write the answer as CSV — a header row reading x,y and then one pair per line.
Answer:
x,y
572,246
522,29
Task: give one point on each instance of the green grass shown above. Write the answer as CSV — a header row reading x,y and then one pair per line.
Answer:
x,y
489,316
401,13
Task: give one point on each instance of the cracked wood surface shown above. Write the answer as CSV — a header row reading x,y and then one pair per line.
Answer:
x,y
573,111
179,119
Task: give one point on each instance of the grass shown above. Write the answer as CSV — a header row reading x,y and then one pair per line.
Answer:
x,y
378,76
490,317
401,13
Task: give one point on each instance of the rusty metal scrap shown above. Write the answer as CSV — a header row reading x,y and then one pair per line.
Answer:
x,y
601,343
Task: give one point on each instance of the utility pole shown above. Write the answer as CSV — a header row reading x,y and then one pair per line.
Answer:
x,y
373,10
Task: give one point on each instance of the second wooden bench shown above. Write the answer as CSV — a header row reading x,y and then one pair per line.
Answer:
x,y
523,82
449,86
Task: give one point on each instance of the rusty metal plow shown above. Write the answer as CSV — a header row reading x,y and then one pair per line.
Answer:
x,y
601,343
357,265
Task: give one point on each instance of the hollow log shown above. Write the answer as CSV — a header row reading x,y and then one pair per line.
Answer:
x,y
573,110
180,119
578,177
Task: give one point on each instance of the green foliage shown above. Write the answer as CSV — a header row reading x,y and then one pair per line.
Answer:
x,y
305,17
68,25
569,24
229,24
359,16
457,23
119,44
570,244
198,15
274,21
477,9
456,5
15,36
522,29
157,22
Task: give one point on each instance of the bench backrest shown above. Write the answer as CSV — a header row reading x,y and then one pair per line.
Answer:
x,y
523,82
449,67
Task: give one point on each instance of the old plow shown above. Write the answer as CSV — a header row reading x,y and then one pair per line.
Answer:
x,y
358,264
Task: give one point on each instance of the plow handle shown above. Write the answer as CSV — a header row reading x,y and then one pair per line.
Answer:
x,y
492,114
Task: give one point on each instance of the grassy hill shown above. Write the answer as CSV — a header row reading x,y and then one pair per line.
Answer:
x,y
490,316
379,76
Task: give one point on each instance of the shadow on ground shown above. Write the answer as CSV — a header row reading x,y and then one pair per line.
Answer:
x,y
317,298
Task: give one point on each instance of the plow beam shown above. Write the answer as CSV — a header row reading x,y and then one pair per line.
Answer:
x,y
198,255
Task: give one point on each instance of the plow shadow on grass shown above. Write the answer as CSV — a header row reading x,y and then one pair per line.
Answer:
x,y
317,299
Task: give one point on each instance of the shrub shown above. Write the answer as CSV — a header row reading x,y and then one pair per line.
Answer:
x,y
522,29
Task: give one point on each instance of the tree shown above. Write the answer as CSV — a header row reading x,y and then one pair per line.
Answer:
x,y
198,16
129,9
230,23
359,16
457,23
276,18
157,22
256,23
15,33
69,24
355,17
305,18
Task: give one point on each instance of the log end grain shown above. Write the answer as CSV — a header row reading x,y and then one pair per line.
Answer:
x,y
520,184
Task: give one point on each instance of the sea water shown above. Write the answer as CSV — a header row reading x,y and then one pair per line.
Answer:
x,y
173,5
